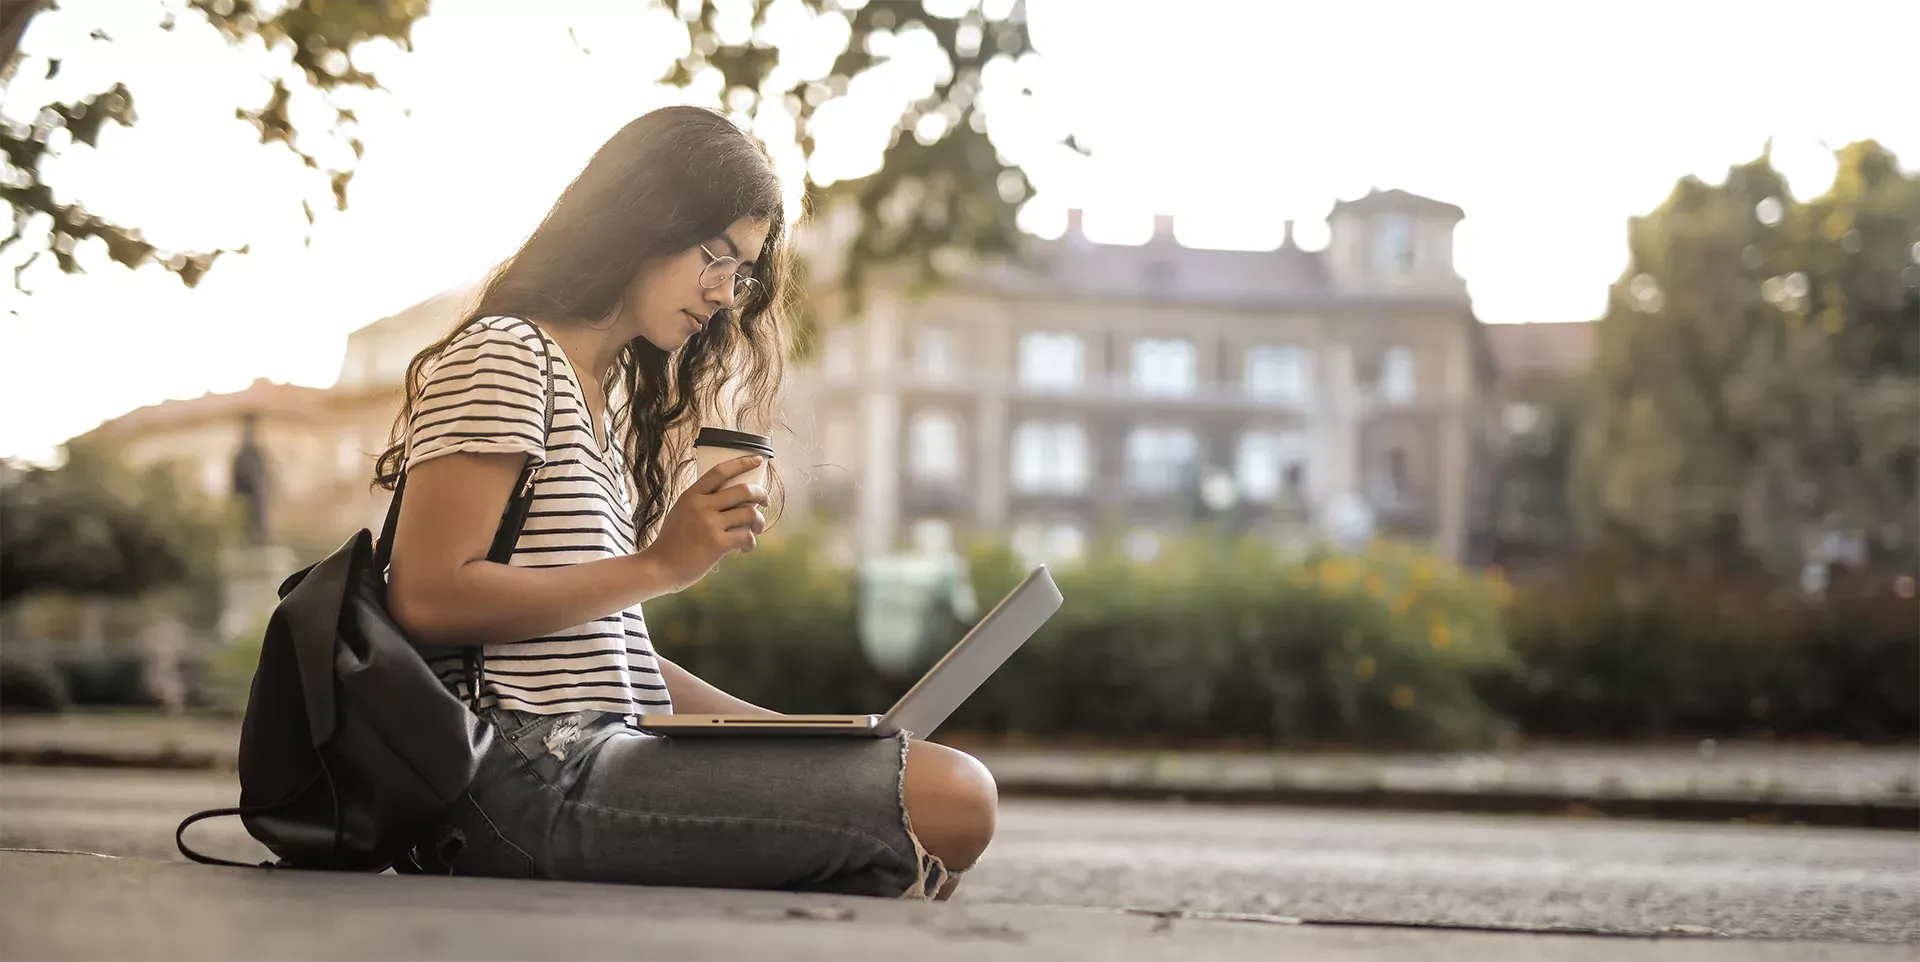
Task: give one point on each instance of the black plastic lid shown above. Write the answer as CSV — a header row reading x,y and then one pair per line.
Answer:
x,y
741,440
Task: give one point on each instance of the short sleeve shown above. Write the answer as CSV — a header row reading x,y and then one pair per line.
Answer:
x,y
484,395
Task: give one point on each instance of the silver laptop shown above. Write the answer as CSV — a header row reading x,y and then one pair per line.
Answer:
x,y
931,699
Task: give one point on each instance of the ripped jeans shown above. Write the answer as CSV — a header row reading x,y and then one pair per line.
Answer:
x,y
584,797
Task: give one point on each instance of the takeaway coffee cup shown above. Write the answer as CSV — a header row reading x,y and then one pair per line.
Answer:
x,y
718,446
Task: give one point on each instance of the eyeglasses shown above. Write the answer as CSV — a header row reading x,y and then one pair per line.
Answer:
x,y
719,268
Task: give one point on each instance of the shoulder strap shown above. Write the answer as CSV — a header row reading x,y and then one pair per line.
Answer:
x,y
512,520
505,537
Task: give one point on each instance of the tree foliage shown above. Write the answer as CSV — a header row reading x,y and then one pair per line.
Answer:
x,y
942,188
319,35
1757,379
95,527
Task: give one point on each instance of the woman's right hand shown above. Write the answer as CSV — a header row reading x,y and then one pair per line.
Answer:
x,y
710,519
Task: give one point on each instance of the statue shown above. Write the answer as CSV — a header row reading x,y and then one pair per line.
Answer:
x,y
252,570
250,480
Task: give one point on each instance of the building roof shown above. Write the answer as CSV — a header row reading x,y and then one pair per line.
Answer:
x,y
436,310
1561,349
1398,201
415,328
1162,269
262,397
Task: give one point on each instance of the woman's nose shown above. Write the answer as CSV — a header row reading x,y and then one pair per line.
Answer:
x,y
721,293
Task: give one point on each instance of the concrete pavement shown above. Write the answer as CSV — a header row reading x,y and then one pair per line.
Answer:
x,y
1545,875
62,907
1837,785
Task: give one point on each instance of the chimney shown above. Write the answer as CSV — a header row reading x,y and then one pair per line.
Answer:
x,y
1073,225
1163,228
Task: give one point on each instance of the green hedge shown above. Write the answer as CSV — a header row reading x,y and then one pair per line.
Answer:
x,y
776,627
1216,643
1209,642
1613,655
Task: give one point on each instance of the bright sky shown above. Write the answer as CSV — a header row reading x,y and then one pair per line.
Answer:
x,y
1550,124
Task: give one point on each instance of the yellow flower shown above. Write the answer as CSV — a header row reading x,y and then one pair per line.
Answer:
x,y
1402,604
1376,587
1402,697
1363,669
1438,634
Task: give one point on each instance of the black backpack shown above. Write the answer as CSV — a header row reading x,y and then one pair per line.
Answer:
x,y
352,749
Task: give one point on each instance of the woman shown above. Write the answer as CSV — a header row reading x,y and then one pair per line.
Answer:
x,y
654,286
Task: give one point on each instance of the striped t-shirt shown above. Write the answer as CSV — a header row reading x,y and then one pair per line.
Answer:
x,y
484,395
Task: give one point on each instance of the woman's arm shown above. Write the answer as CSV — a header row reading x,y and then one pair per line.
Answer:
x,y
691,696
443,591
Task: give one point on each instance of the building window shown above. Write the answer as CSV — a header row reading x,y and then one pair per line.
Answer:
x,y
1393,244
1281,374
933,355
933,446
1052,362
837,354
1271,466
1164,366
1050,544
1050,457
1396,375
1160,460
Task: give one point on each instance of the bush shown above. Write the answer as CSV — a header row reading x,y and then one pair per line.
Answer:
x,y
31,682
1622,656
776,627
1216,641
1211,641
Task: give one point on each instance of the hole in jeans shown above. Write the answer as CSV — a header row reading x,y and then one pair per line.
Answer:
x,y
932,874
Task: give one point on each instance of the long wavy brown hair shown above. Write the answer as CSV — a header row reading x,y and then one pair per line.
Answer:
x,y
673,178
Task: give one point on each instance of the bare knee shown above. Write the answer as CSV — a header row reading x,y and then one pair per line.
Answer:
x,y
952,803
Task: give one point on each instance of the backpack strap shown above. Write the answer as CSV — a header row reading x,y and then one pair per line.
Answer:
x,y
512,520
180,832
180,835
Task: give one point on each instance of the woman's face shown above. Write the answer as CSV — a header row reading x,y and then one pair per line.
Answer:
x,y
673,298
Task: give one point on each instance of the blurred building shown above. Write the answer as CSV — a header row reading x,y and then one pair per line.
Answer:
x,y
1094,390
308,457
1534,403
1081,390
